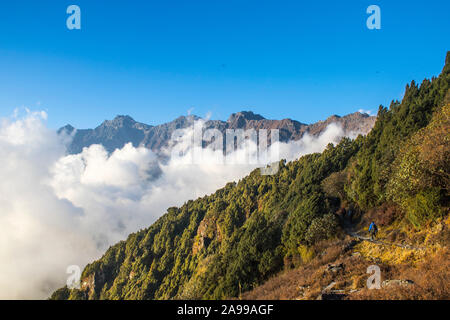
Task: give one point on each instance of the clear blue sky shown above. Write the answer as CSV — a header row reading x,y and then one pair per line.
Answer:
x,y
155,60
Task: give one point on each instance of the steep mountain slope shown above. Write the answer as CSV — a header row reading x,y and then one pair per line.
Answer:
x,y
236,239
411,249
116,133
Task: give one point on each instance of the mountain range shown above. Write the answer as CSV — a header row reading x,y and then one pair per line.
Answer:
x,y
113,134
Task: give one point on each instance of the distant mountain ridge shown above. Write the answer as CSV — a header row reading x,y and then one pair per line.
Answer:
x,y
113,134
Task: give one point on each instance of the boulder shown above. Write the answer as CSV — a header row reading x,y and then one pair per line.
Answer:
x,y
335,268
403,283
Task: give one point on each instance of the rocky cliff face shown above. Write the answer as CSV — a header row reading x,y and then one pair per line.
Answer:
x,y
113,134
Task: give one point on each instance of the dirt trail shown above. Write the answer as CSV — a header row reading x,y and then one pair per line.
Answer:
x,y
348,227
380,242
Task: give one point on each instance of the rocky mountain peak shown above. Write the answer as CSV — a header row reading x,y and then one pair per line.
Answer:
x,y
67,129
245,115
120,121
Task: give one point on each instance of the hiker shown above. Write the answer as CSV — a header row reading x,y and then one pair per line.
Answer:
x,y
349,215
373,230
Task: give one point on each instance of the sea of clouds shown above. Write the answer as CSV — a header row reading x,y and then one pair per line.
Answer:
x,y
58,210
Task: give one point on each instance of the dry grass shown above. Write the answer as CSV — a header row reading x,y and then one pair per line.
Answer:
x,y
308,281
428,269
430,282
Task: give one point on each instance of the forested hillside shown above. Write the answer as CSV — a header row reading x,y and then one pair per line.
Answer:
x,y
233,241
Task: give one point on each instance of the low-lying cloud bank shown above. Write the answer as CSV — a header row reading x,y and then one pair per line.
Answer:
x,y
58,210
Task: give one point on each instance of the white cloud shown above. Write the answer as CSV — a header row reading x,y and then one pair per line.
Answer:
x,y
58,210
369,112
40,234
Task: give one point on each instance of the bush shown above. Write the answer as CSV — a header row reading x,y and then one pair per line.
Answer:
x,y
306,253
191,290
334,184
61,294
270,263
383,215
423,207
322,228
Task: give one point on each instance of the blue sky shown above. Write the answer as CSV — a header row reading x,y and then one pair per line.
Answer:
x,y
155,60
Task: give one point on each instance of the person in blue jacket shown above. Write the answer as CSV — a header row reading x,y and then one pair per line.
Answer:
x,y
373,229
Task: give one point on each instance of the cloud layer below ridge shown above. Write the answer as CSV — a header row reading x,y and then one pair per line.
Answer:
x,y
58,210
